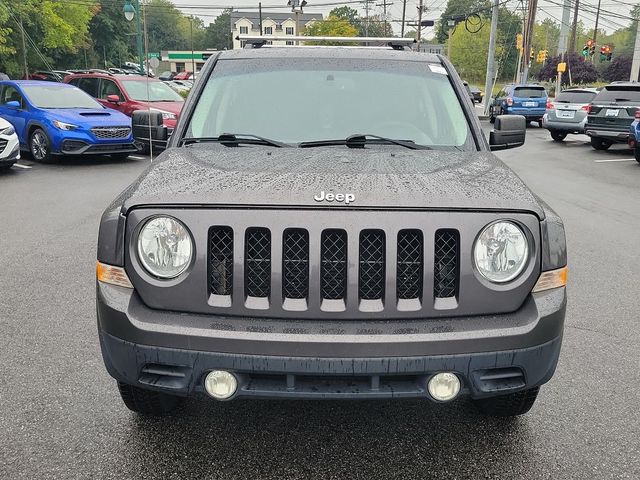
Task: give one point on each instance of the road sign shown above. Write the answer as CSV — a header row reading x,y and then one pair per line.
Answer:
x,y
562,67
154,62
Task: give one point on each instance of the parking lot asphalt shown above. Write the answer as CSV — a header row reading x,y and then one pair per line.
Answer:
x,y
61,415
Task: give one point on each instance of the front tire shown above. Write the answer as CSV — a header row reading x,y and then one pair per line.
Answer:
x,y
599,144
558,136
147,402
636,153
510,405
40,146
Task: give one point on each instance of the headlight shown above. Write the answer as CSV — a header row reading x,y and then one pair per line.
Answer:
x,y
64,126
501,251
8,131
164,247
165,115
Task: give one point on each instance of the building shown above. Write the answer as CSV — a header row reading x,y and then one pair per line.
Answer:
x,y
184,60
283,23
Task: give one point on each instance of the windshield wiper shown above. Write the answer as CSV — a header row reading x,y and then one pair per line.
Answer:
x,y
235,139
359,140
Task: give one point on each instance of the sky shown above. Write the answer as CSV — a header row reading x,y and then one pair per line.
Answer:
x,y
209,9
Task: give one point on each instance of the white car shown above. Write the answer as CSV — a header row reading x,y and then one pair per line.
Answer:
x,y
9,145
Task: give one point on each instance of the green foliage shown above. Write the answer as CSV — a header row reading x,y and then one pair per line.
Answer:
x,y
330,27
469,52
618,69
375,27
218,33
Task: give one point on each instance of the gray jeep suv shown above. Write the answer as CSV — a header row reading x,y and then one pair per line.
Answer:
x,y
330,223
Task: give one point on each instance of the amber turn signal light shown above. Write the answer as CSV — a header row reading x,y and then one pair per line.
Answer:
x,y
112,275
551,279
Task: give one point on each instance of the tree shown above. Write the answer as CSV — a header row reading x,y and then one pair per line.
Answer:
x,y
168,28
330,27
108,30
581,72
218,33
458,8
469,52
346,13
618,69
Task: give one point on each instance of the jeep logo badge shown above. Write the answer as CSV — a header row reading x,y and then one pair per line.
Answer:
x,y
347,198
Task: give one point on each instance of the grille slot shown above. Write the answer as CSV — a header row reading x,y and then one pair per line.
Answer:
x,y
258,262
111,132
409,280
333,264
295,264
3,144
371,272
221,260
446,263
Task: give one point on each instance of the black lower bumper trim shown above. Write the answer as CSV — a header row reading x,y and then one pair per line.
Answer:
x,y
181,372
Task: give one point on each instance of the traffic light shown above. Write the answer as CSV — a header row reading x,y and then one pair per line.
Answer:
x,y
603,53
585,51
519,42
608,52
542,56
531,55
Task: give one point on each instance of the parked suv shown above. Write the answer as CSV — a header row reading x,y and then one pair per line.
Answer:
x,y
611,114
529,101
568,112
128,93
299,240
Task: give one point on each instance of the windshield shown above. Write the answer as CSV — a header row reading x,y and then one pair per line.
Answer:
x,y
576,96
150,91
59,97
306,100
529,92
619,94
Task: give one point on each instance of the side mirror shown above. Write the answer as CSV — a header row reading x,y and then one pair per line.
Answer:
x,y
113,99
148,128
13,105
510,132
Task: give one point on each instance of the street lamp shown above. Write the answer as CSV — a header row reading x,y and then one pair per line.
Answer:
x,y
296,7
129,13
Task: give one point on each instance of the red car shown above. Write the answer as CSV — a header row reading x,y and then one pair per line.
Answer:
x,y
128,93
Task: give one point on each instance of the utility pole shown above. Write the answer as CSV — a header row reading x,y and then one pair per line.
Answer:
x,y
260,13
193,60
635,64
419,32
404,11
528,38
595,30
366,23
574,28
488,82
564,27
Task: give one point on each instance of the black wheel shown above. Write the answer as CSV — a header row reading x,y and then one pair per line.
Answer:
x,y
492,117
40,146
558,136
147,402
636,153
509,405
599,144
119,156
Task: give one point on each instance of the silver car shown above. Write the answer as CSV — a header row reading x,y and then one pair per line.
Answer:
x,y
567,113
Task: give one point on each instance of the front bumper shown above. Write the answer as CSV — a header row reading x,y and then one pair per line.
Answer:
x,y
10,154
275,358
529,113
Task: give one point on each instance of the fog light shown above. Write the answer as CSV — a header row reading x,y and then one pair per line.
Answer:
x,y
444,386
220,384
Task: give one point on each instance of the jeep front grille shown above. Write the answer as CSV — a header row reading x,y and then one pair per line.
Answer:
x,y
333,258
446,268
257,262
333,265
220,260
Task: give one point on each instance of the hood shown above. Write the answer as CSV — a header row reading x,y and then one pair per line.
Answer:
x,y
90,117
171,107
377,178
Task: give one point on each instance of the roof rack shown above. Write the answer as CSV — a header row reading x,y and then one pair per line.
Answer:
x,y
257,41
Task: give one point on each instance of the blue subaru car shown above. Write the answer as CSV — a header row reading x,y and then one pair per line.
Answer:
x,y
527,100
634,136
53,119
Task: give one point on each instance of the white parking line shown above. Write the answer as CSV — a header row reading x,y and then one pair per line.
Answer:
x,y
22,166
616,160
136,157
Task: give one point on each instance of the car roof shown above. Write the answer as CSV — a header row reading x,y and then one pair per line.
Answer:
x,y
111,76
355,53
580,89
623,84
